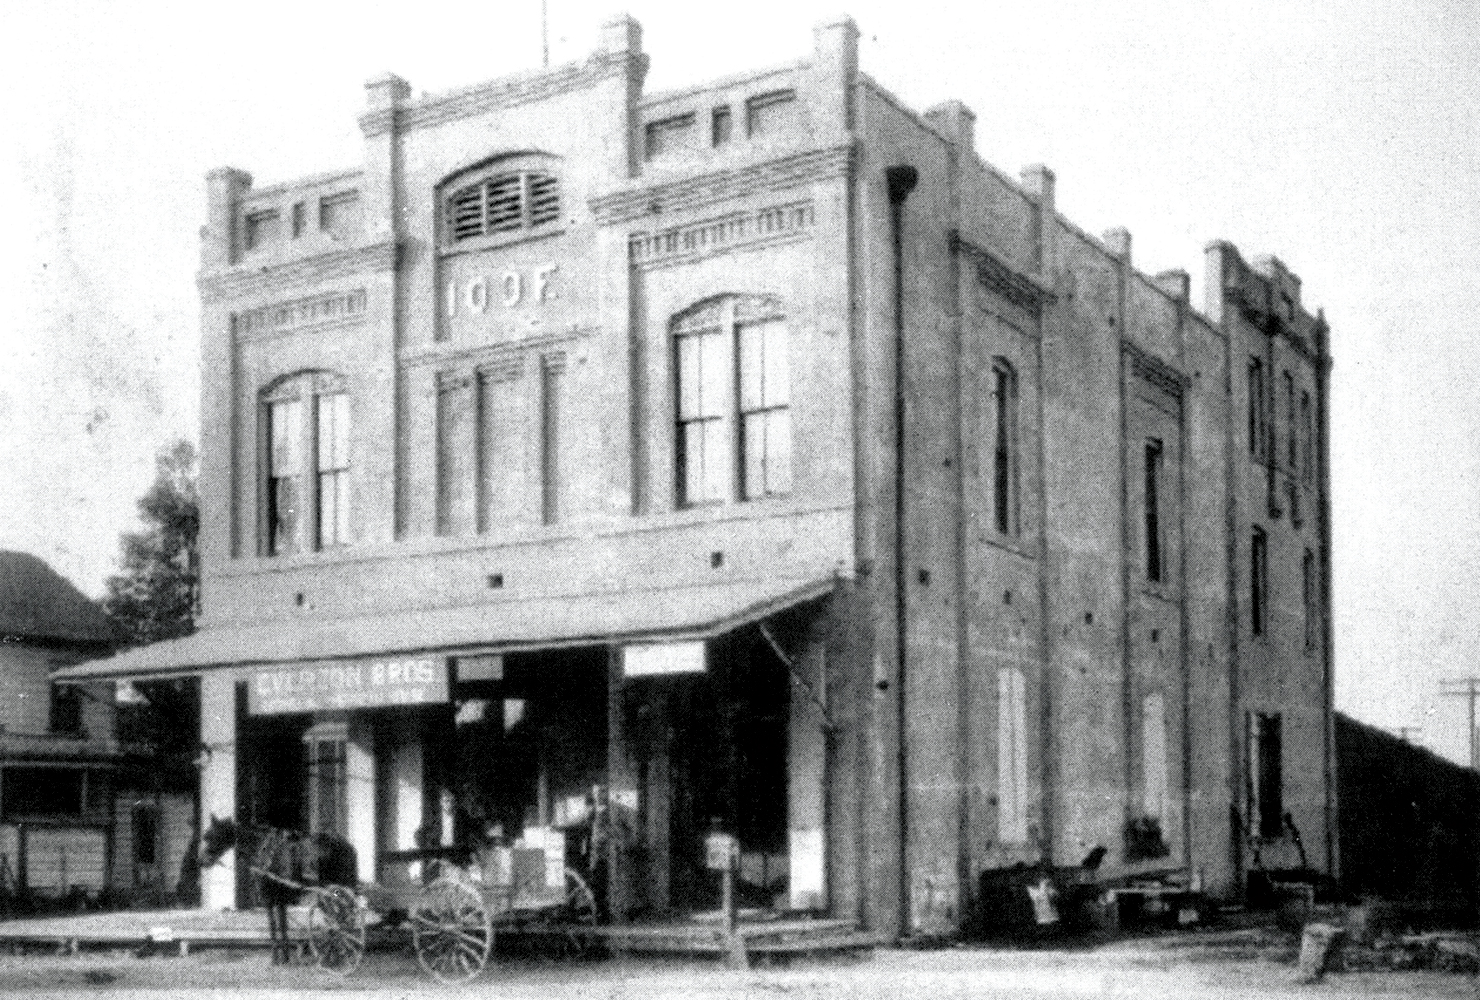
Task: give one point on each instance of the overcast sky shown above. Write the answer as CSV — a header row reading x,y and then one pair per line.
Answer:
x,y
1339,136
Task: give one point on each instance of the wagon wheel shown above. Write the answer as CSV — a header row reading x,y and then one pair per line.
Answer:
x,y
578,912
452,931
336,929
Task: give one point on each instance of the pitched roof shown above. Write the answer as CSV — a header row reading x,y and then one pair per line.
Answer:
x,y
36,602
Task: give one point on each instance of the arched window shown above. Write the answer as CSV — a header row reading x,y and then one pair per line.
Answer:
x,y
501,200
305,466
733,393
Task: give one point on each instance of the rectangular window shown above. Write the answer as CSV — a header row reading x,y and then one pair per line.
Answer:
x,y
328,781
300,218
771,114
501,442
1308,443
456,456
1259,582
41,791
555,450
1154,756
1266,780
1012,756
703,444
333,469
66,711
1153,511
1004,448
284,469
765,415
721,125
261,228
670,136
1256,408
1291,447
339,214
1310,600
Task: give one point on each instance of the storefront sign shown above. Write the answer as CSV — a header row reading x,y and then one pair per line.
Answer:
x,y
342,684
650,660
721,851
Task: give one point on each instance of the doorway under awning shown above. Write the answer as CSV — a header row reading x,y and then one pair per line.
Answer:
x,y
637,615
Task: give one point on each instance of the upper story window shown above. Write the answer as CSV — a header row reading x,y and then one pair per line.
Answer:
x,y
1258,428
768,114
1310,600
305,501
669,136
721,125
1308,440
501,203
261,228
339,214
1292,457
733,393
1155,560
1259,582
1004,448
65,717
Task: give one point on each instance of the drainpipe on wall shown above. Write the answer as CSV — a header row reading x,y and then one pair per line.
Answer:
x,y
902,181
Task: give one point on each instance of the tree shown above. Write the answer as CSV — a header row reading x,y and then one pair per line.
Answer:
x,y
157,595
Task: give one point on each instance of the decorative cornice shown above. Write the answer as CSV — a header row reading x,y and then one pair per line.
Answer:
x,y
722,185
760,227
1151,369
495,94
240,282
995,274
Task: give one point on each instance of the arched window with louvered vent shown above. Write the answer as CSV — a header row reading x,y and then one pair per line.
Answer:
x,y
500,203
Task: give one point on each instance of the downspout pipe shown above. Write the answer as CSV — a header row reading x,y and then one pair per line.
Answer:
x,y
901,181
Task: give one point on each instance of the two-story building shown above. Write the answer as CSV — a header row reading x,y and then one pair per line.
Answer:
x,y
760,453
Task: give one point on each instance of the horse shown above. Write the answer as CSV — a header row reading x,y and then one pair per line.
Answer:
x,y
286,863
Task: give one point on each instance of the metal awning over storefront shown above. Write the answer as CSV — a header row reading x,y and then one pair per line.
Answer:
x,y
647,615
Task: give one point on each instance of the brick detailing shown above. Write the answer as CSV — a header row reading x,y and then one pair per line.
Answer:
x,y
996,275
723,185
286,317
712,236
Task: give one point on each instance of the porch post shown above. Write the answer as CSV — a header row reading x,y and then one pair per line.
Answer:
x,y
218,779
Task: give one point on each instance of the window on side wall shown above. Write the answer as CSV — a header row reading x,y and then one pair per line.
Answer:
x,y
1004,431
1292,458
65,715
1259,582
1308,442
1266,775
1257,432
732,394
1310,594
1152,511
306,468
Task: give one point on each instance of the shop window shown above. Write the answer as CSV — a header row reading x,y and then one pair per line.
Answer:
x,y
1257,426
1259,582
328,778
1004,448
733,388
306,486
670,136
503,203
339,214
1012,756
261,228
770,114
1152,511
65,716
1266,779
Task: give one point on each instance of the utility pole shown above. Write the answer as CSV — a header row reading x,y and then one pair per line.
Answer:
x,y
545,31
1470,690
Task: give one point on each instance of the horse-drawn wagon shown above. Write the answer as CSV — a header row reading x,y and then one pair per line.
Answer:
x,y
453,901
